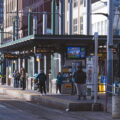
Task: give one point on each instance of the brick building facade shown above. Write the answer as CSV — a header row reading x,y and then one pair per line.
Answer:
x,y
23,8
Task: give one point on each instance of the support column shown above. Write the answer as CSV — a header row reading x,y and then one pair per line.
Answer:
x,y
23,64
59,56
61,17
88,17
12,66
13,34
57,21
70,17
45,64
7,63
28,62
16,64
1,35
53,9
12,71
16,27
34,65
44,23
39,65
19,64
52,67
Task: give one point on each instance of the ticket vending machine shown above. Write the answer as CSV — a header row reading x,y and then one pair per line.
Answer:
x,y
90,75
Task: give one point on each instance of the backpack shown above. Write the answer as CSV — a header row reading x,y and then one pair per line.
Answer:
x,y
80,77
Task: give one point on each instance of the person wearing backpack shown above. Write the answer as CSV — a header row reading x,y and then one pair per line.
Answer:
x,y
80,81
42,80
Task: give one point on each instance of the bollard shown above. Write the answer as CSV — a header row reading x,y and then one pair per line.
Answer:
x,y
116,107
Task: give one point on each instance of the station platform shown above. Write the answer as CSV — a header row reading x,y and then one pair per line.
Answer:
x,y
58,101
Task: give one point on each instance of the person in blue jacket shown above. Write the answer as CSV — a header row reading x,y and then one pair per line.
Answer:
x,y
59,82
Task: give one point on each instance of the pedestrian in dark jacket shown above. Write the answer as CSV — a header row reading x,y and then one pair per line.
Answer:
x,y
42,82
18,79
23,78
80,81
59,82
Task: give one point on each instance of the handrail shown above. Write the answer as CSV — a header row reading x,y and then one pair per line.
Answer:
x,y
108,85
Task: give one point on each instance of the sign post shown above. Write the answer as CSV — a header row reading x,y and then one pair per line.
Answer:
x,y
96,66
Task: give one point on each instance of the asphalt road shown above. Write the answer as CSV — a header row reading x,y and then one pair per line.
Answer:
x,y
14,109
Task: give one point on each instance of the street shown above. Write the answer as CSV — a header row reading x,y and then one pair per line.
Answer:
x,y
14,109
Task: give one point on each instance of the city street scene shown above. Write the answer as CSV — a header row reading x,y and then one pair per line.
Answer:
x,y
59,59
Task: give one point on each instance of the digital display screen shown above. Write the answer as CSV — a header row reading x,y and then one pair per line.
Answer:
x,y
76,52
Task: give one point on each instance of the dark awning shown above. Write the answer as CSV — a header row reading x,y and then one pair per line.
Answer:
x,y
56,41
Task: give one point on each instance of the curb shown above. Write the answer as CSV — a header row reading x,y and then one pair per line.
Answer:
x,y
52,102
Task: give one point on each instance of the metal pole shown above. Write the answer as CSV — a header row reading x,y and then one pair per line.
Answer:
x,y
70,17
17,7
16,27
13,36
96,67
16,23
61,17
45,64
44,23
57,21
109,46
53,9
1,34
88,17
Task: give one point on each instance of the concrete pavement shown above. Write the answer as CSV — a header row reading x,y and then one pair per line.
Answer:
x,y
64,102
17,109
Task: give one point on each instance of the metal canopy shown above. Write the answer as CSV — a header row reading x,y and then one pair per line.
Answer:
x,y
55,41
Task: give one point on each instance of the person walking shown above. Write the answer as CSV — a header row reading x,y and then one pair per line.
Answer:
x,y
23,78
80,81
42,82
15,78
59,82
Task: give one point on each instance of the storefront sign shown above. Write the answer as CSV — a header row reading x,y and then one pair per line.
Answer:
x,y
68,86
11,56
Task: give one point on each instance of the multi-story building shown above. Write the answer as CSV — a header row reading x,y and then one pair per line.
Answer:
x,y
11,10
79,10
1,11
98,22
21,9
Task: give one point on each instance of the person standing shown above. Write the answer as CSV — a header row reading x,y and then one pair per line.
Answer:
x,y
15,78
59,82
23,78
80,81
42,81
18,79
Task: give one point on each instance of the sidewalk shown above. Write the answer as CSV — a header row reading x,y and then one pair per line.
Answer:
x,y
64,102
